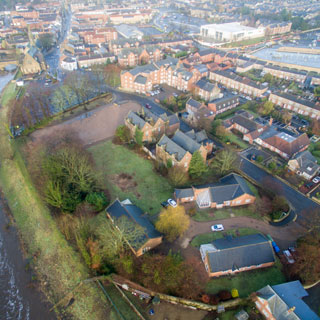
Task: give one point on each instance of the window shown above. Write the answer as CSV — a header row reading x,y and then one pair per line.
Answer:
x,y
248,200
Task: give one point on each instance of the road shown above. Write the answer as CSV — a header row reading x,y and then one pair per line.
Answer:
x,y
298,201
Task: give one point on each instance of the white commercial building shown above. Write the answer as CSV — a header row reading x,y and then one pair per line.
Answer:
x,y
229,32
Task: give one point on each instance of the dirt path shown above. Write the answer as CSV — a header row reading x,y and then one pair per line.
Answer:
x,y
93,126
284,236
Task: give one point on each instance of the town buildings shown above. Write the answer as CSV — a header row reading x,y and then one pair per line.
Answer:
x,y
229,32
295,104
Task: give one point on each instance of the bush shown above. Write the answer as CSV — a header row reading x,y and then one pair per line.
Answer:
x,y
98,200
192,212
205,298
214,299
234,293
224,295
260,158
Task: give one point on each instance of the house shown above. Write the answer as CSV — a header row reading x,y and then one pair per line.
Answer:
x,y
296,104
151,124
232,190
197,111
125,209
134,56
86,61
206,90
304,164
233,255
69,63
220,105
179,150
241,84
284,301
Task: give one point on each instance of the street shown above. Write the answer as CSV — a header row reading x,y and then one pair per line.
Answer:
x,y
299,202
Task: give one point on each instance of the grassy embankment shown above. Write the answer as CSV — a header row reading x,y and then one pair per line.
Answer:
x,y
58,266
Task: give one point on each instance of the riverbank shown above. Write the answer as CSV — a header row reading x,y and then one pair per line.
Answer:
x,y
59,268
20,298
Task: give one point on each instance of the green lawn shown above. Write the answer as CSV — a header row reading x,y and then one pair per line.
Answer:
x,y
210,236
244,42
146,188
225,213
236,140
249,281
121,304
9,93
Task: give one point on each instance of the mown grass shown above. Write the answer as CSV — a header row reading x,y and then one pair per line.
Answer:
x,y
248,281
225,213
230,137
58,266
211,236
121,304
8,93
148,188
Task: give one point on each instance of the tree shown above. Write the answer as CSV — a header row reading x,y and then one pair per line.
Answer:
x,y
138,136
307,256
221,132
315,127
267,108
116,238
197,165
224,162
311,220
317,91
173,222
279,203
268,77
286,117
98,200
58,101
215,124
46,41
262,205
123,133
178,176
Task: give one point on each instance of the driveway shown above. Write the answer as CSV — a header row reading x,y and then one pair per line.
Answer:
x,y
283,236
298,201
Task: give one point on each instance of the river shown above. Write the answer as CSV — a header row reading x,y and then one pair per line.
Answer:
x,y
19,298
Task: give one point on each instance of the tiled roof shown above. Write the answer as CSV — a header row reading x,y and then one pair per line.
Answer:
x,y
172,148
186,142
194,103
118,210
136,120
205,85
240,252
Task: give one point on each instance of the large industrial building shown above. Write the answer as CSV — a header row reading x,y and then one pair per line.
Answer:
x,y
229,32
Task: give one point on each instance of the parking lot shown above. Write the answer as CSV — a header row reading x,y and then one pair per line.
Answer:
x,y
163,91
253,153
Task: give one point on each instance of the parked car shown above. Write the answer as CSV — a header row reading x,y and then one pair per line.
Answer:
x,y
172,203
288,256
175,94
148,106
217,227
316,179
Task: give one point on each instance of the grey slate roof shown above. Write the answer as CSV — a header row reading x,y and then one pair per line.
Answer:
x,y
200,136
172,148
186,142
205,85
307,162
244,122
140,79
194,103
136,120
293,98
225,101
184,193
285,296
117,210
240,252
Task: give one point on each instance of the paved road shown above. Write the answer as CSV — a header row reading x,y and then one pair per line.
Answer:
x,y
299,202
283,236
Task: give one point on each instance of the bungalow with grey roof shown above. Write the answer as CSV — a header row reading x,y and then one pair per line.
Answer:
x,y
179,150
149,237
232,190
304,164
233,255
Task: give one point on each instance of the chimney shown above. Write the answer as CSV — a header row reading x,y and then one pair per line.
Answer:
x,y
270,121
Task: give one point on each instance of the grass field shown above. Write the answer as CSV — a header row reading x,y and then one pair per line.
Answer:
x,y
128,175
236,140
244,42
249,281
210,236
225,213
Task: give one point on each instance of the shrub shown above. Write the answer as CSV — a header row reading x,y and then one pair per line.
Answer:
x,y
205,298
192,212
224,295
98,200
234,293
260,158
214,299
